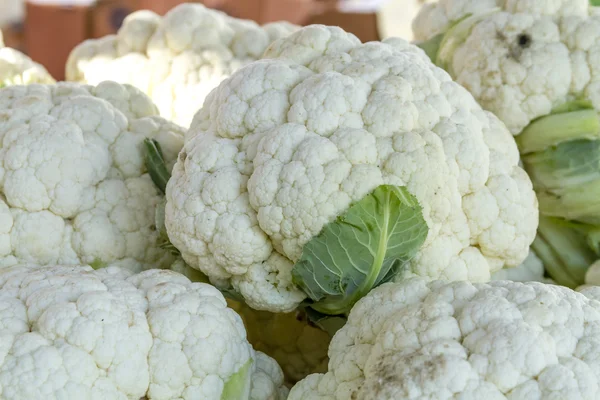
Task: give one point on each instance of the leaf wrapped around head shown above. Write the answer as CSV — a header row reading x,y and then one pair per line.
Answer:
x,y
366,246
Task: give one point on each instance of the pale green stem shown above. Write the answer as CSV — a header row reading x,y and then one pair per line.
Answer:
x,y
559,128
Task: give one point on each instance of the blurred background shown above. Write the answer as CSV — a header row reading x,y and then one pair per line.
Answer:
x,y
47,30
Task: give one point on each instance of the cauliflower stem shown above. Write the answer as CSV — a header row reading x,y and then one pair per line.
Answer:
x,y
565,250
561,154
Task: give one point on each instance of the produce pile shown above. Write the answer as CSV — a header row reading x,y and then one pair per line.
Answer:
x,y
210,209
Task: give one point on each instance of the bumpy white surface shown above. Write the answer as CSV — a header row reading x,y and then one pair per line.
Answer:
x,y
438,340
18,69
288,143
72,333
176,59
435,16
521,83
73,183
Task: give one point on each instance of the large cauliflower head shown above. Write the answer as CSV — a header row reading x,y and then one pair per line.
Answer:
x,y
440,340
73,181
539,75
18,69
176,59
287,144
72,332
436,17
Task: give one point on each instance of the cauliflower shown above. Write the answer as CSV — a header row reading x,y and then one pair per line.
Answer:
x,y
18,69
73,184
298,347
540,78
532,270
176,59
459,340
332,166
71,332
437,17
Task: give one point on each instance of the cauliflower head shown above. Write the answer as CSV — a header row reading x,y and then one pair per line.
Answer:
x,y
72,332
287,144
176,59
436,17
448,340
73,182
539,75
18,69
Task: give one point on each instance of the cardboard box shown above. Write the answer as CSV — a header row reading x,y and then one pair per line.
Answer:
x,y
364,26
51,32
108,15
244,9
299,12
308,12
13,35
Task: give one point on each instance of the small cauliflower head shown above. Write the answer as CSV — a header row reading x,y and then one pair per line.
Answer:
x,y
112,334
176,59
73,182
436,17
18,69
449,340
288,143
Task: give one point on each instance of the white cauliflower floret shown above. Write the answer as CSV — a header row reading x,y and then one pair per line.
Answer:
x,y
18,69
286,144
440,340
521,66
436,17
531,270
70,332
176,59
73,182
